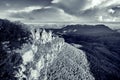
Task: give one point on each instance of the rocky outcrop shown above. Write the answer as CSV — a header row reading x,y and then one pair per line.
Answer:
x,y
50,58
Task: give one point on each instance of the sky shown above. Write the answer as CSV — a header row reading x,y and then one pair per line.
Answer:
x,y
39,11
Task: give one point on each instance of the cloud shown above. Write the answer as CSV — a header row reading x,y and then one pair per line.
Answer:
x,y
26,9
110,14
45,14
111,11
89,9
55,1
107,19
19,4
116,11
62,10
72,6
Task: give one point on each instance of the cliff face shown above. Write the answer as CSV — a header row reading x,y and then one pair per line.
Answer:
x,y
51,59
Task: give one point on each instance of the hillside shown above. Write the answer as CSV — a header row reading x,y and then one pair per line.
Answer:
x,y
75,52
43,57
101,45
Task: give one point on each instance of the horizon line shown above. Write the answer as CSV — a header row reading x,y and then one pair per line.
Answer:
x,y
72,22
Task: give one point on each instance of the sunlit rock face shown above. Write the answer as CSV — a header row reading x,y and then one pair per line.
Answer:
x,y
50,58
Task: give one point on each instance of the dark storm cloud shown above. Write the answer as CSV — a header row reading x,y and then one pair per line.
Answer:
x,y
97,10
116,8
71,6
47,14
116,11
16,4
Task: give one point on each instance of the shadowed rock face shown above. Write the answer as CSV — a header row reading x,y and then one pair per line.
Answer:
x,y
101,45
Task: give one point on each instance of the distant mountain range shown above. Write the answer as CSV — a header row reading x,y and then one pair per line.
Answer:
x,y
74,52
